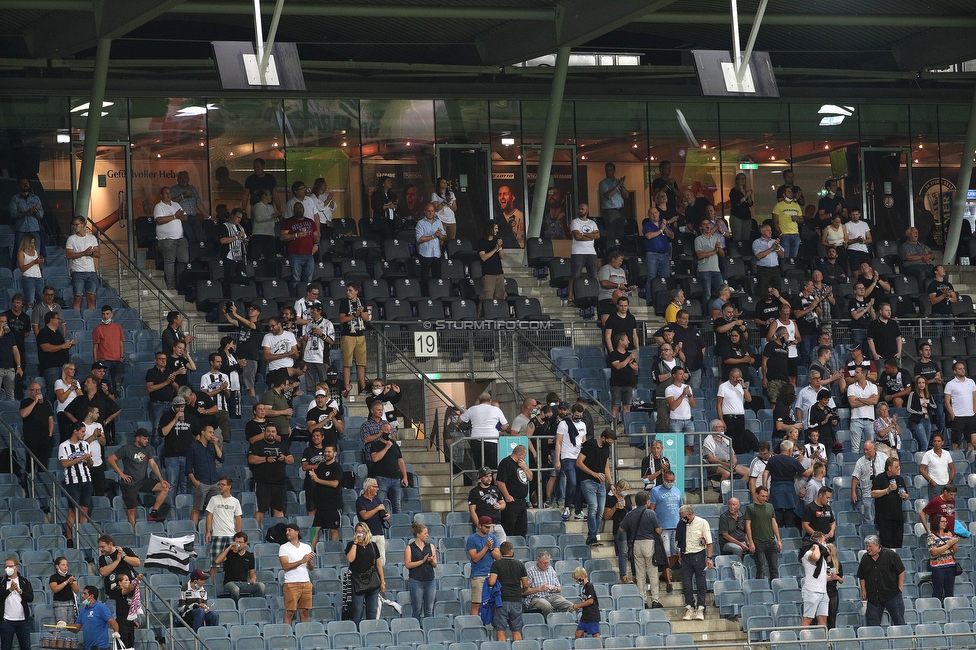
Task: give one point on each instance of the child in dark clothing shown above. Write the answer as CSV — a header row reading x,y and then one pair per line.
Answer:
x,y
590,620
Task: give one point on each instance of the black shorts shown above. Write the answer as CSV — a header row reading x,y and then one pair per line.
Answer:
x,y
310,498
80,492
271,496
330,518
962,426
131,490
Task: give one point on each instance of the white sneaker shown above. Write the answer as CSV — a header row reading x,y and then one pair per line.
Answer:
x,y
565,514
700,614
689,613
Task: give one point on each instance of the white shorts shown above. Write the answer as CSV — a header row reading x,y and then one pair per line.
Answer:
x,y
670,543
814,603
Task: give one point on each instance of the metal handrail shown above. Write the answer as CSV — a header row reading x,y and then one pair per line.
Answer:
x,y
59,488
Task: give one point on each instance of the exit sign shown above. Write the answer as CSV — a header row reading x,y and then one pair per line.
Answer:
x,y
748,165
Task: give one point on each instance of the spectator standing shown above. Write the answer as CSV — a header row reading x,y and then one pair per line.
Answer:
x,y
657,246
941,295
190,200
216,385
544,593
944,504
40,311
248,349
623,374
115,562
318,336
662,375
654,465
11,369
922,410
861,309
681,400
27,212
277,409
887,432
177,434
82,250
108,347
666,500
311,458
862,398
612,276
788,215
487,422
762,532
884,335
888,490
768,252
732,530
430,235
642,529
137,459
202,457
612,197
937,468
858,238
372,512
689,347
388,468
52,354
730,407
353,316
76,460
866,469
618,505
172,246
589,622
882,577
280,346
782,471
695,541
708,249
815,574
264,213
328,495
594,473
485,501
960,405
582,255
364,560
835,578
483,549
64,586
942,545
161,384
300,234
818,515
513,479
445,204
420,559
514,580
621,321
15,614
297,559
267,459
793,338
324,417
389,394
193,604
491,252
741,202
224,520
757,468
240,578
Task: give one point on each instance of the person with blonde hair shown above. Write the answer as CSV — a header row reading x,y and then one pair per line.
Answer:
x,y
589,622
365,566
30,262
420,558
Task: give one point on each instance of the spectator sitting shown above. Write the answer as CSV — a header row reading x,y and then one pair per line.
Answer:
x,y
544,592
895,384
193,604
240,578
732,530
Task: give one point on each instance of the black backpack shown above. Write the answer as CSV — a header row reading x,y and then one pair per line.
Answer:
x,y
276,534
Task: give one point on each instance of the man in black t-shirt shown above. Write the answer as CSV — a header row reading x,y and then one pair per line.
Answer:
x,y
808,312
775,365
861,309
895,384
818,516
485,500
621,322
240,578
113,562
889,491
161,384
491,252
254,429
932,371
258,181
388,467
589,622
177,433
52,351
326,418
593,474
514,580
513,481
328,496
180,363
941,295
622,362
19,322
267,459
767,310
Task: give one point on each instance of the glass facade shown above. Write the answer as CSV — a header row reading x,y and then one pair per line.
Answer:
x,y
489,151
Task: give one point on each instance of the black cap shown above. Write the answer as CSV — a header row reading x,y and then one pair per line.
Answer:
x,y
856,346
98,365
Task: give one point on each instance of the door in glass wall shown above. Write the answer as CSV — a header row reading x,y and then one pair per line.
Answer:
x,y
562,197
466,168
110,205
886,195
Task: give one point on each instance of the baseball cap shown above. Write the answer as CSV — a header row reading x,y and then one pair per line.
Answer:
x,y
322,393
98,365
198,575
485,521
485,471
293,527
667,328
856,346
141,433
179,401
316,305
564,405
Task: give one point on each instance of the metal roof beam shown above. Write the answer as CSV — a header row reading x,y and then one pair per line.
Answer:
x,y
827,20
577,22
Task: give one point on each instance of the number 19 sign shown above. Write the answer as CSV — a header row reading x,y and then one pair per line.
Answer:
x,y
424,344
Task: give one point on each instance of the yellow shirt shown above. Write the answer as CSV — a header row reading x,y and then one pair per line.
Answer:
x,y
784,213
671,313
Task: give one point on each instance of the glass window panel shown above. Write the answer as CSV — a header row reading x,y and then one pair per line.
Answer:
x,y
115,119
884,125
323,142
534,114
461,121
939,190
926,165
397,143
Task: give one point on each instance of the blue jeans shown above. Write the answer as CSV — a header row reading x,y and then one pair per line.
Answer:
x,y
84,282
922,431
943,581
237,589
686,427
895,607
368,602
32,289
862,430
156,412
620,538
175,473
596,500
422,597
115,372
658,266
858,337
10,629
567,481
790,244
199,618
710,281
302,267
390,488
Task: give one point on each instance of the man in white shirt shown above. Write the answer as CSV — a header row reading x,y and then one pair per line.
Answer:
x,y
300,195
680,402
858,237
487,422
570,434
170,243
807,397
15,606
81,249
868,466
318,334
960,405
303,306
217,385
224,520
757,468
719,455
862,398
280,347
730,406
582,254
815,600
297,559
937,467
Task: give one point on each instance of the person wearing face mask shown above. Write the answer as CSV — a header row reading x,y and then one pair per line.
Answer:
x,y
109,348
15,607
65,589
541,429
641,532
570,434
665,501
389,394
694,537
94,621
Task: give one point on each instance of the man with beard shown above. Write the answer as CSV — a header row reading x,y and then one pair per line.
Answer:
x,y
554,224
327,477
177,436
511,214
485,501
513,480
267,459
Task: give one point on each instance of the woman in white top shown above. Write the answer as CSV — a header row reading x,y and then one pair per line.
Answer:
x,y
835,234
263,215
445,204
325,203
66,390
30,263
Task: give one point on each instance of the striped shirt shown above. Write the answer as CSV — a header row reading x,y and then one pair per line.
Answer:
x,y
80,472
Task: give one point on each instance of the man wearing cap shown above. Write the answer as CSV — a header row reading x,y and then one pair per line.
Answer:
x,y
485,502
193,603
177,435
318,334
388,467
137,459
325,418
108,347
98,371
297,559
483,549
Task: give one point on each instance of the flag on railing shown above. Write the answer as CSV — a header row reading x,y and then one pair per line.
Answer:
x,y
171,553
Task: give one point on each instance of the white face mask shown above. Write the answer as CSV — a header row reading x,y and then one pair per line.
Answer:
x,y
668,486
377,392
106,321
9,571
62,573
788,199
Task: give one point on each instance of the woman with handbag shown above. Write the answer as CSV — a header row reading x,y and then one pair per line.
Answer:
x,y
366,570
943,546
420,558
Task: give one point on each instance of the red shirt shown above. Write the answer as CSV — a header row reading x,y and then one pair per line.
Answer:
x,y
939,506
109,339
302,245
